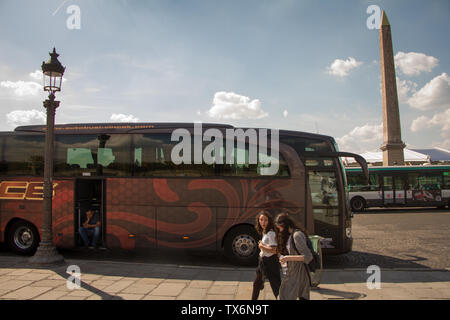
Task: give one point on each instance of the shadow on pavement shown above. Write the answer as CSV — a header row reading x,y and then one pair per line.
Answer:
x,y
160,272
333,294
191,258
103,295
357,259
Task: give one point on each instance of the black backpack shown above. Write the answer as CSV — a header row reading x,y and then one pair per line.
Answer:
x,y
315,262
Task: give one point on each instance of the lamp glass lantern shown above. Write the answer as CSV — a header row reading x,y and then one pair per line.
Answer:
x,y
52,71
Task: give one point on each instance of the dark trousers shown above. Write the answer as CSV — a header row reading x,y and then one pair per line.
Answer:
x,y
267,268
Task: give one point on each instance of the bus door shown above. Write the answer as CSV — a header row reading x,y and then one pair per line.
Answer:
x,y
388,190
89,195
394,190
326,205
400,189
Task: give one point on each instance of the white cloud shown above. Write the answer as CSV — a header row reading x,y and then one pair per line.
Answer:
x,y
26,88
434,95
285,113
22,88
25,117
37,75
341,68
404,88
413,63
420,123
229,105
118,117
362,139
439,120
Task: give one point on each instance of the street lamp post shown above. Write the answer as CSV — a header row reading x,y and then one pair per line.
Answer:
x,y
52,73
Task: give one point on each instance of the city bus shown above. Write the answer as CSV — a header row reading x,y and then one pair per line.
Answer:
x,y
401,186
127,173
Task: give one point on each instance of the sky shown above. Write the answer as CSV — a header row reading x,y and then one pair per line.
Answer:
x,y
308,65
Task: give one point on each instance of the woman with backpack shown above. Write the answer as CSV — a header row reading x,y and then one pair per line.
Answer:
x,y
294,251
268,264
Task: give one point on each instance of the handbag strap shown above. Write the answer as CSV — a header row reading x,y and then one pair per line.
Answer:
x,y
306,265
293,242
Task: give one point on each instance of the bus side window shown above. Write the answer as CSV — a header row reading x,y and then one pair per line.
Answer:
x,y
79,156
23,155
413,181
446,181
374,182
91,154
137,157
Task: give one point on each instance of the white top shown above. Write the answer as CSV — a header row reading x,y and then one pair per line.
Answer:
x,y
268,239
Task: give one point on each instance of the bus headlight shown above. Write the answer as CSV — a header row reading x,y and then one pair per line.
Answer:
x,y
348,232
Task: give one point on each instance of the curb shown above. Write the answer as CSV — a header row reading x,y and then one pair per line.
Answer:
x,y
180,266
231,268
16,264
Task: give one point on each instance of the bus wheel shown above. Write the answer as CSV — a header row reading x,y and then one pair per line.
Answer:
x,y
241,245
358,204
23,238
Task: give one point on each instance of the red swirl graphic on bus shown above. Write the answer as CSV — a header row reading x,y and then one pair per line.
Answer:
x,y
172,212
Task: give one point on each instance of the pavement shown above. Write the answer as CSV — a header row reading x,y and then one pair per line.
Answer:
x,y
112,280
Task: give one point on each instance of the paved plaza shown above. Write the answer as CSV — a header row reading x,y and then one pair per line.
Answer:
x,y
105,280
410,247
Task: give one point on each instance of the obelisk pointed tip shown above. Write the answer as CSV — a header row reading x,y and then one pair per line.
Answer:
x,y
384,19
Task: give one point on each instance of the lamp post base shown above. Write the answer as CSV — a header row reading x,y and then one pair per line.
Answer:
x,y
46,254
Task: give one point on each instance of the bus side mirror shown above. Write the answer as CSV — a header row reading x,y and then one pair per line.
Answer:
x,y
361,161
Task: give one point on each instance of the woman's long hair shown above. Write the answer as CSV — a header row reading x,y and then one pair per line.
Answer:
x,y
270,225
283,236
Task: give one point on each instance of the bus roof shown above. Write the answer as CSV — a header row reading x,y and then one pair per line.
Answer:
x,y
401,168
126,127
122,127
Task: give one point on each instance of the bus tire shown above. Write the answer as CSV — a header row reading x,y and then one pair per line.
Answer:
x,y
241,245
23,238
358,204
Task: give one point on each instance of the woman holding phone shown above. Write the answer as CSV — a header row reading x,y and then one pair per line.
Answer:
x,y
292,242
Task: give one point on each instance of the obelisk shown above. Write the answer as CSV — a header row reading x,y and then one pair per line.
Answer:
x,y
392,137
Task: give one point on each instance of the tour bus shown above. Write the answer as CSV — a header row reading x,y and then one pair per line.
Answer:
x,y
402,186
147,199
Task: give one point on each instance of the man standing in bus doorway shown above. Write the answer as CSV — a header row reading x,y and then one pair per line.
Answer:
x,y
91,227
